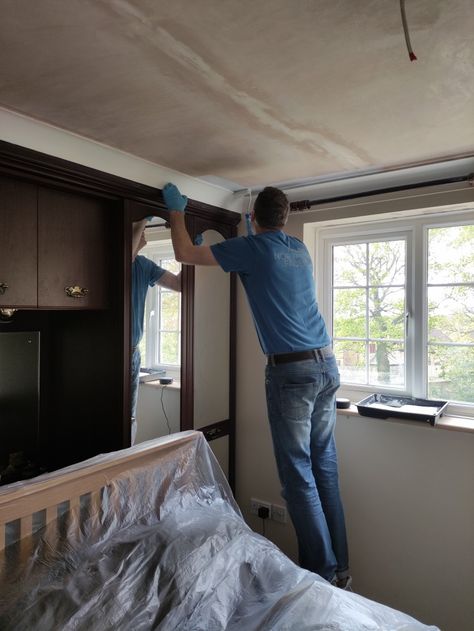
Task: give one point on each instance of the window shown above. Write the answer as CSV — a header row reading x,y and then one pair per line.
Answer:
x,y
398,299
450,312
369,307
160,346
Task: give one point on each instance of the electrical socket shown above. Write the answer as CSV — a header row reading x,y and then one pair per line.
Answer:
x,y
256,504
279,514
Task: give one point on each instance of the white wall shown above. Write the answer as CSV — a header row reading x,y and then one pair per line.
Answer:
x,y
151,420
211,341
408,495
408,489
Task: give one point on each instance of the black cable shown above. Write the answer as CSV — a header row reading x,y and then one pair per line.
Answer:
x,y
264,513
163,408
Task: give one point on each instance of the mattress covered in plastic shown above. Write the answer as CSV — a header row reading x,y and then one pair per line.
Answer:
x,y
168,549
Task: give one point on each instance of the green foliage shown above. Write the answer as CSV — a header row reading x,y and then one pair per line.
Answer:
x,y
370,305
454,373
169,348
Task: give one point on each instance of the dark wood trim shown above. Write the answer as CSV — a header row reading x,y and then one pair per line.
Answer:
x,y
216,430
211,222
232,378
40,167
127,321
187,348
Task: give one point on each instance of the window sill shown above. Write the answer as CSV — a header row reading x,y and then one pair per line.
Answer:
x,y
453,423
176,385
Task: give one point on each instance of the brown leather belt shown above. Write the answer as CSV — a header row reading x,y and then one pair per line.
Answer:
x,y
318,354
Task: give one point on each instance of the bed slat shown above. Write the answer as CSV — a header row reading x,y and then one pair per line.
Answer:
x,y
69,485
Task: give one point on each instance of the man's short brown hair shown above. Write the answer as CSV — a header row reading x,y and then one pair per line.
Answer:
x,y
271,208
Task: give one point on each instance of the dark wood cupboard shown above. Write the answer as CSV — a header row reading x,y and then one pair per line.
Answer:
x,y
18,243
72,250
64,225
53,247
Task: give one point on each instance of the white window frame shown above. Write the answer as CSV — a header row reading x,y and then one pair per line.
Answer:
x,y
159,245
415,230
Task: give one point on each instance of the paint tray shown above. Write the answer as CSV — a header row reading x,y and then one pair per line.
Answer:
x,y
409,408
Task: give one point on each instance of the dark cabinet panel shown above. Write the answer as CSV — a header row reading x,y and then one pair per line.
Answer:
x,y
18,243
72,257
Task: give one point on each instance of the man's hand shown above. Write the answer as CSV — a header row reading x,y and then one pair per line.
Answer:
x,y
173,198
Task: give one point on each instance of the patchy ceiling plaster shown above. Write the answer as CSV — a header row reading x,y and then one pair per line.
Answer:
x,y
251,92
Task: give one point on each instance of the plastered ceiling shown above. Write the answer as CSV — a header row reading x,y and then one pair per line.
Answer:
x,y
253,91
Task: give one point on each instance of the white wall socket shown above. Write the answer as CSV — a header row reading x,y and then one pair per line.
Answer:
x,y
279,514
256,504
275,511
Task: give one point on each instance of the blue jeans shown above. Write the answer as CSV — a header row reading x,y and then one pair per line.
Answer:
x,y
301,400
134,385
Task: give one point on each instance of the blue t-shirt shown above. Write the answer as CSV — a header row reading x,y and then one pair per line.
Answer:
x,y
277,274
145,273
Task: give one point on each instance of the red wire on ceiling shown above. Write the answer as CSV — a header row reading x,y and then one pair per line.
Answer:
x,y
405,30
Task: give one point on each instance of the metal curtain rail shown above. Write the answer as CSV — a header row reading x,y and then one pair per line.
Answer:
x,y
306,204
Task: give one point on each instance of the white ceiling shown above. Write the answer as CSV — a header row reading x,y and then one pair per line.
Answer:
x,y
254,92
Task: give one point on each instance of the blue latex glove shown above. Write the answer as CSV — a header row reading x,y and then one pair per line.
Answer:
x,y
198,239
173,198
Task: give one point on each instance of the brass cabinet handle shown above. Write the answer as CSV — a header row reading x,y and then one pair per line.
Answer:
x,y
3,288
74,291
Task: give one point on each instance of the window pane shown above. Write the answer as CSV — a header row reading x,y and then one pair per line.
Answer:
x,y
169,348
169,310
171,265
451,254
451,314
450,373
349,313
387,263
387,364
350,264
387,313
351,359
142,348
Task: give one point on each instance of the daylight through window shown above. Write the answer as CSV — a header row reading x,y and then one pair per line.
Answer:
x,y
398,298
161,342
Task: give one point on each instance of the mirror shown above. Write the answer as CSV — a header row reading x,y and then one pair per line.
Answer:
x,y
212,348
156,331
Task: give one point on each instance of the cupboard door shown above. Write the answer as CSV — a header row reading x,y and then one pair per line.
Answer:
x,y
72,250
18,244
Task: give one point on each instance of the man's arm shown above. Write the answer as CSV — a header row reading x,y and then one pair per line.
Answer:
x,y
170,281
184,250
137,230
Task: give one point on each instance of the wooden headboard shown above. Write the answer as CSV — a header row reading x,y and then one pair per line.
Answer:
x,y
33,504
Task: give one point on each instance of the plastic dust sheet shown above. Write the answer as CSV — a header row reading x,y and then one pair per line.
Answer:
x,y
166,548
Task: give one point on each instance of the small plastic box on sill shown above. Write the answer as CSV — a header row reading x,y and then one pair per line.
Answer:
x,y
409,408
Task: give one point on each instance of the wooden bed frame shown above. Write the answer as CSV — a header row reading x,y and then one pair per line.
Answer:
x,y
74,501
50,496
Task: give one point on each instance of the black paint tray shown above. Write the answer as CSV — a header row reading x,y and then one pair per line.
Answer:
x,y
409,408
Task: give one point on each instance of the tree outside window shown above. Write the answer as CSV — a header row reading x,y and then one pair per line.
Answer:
x,y
450,298
370,310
